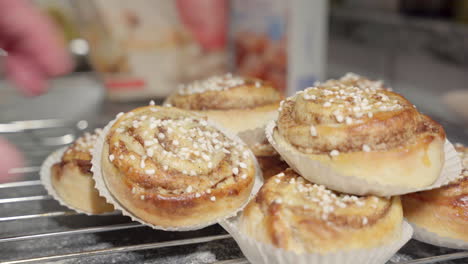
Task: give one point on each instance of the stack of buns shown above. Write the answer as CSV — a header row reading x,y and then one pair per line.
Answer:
x,y
442,211
184,165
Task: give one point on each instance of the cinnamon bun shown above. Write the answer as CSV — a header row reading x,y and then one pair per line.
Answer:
x,y
172,169
242,105
357,127
72,178
294,214
444,210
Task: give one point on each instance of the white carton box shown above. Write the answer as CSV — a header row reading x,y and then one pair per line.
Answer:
x,y
283,42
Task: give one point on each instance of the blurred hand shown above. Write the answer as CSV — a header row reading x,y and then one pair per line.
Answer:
x,y
10,158
35,54
35,49
207,20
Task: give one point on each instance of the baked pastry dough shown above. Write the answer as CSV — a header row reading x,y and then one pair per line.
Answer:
x,y
357,127
444,210
170,168
269,160
238,104
296,215
72,177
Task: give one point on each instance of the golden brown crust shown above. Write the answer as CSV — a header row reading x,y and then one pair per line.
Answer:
x,y
291,213
349,115
170,168
271,165
415,166
443,210
72,177
357,128
236,103
225,92
263,149
269,160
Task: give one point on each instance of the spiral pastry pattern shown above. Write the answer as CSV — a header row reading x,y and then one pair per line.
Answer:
x,y
224,92
294,214
171,168
351,114
358,127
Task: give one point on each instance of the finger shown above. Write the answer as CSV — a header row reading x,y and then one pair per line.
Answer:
x,y
25,74
209,31
32,34
11,158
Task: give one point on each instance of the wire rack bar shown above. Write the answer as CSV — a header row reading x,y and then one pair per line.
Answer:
x,y
434,259
233,261
87,230
21,126
25,199
123,249
50,214
19,184
32,216
24,170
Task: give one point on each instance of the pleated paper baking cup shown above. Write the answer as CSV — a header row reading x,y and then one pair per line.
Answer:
x,y
46,180
426,236
262,253
105,192
319,173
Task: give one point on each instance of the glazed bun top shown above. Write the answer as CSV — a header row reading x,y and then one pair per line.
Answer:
x,y
351,114
224,92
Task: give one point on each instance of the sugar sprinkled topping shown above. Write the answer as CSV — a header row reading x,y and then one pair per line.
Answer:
x,y
366,148
313,131
150,171
86,142
328,201
215,83
355,96
187,140
334,152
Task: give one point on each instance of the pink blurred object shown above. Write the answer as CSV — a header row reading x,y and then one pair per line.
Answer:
x,y
209,30
10,158
36,52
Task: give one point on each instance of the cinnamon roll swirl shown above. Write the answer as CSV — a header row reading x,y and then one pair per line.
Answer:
x,y
72,178
237,103
170,168
357,127
444,210
294,214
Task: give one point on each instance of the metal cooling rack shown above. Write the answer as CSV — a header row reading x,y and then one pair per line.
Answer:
x,y
35,228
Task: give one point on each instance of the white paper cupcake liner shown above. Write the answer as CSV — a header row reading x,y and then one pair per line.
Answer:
x,y
319,173
426,236
104,191
261,253
46,179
